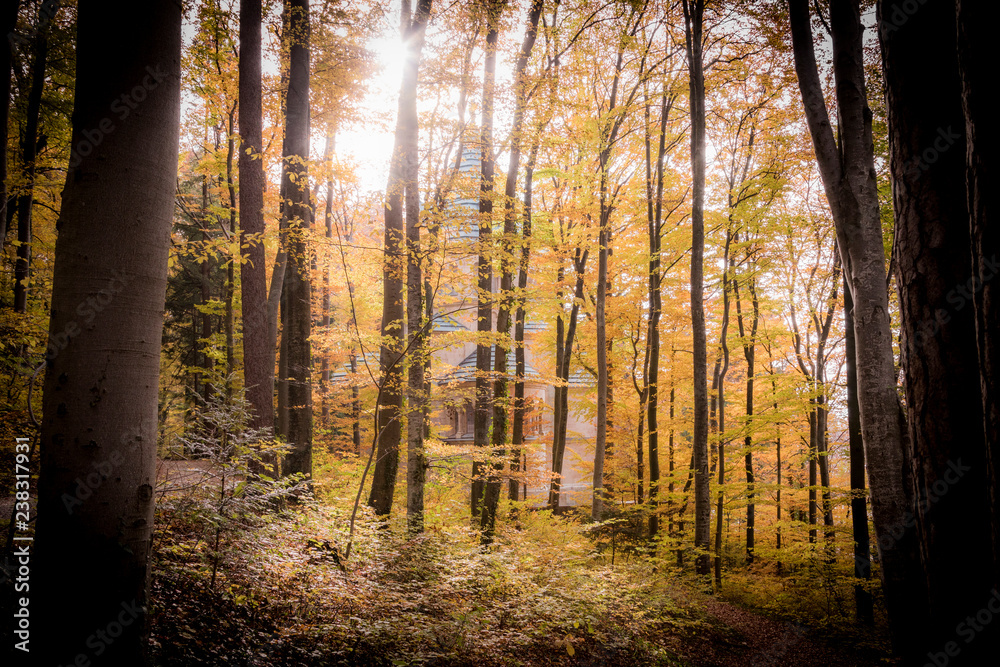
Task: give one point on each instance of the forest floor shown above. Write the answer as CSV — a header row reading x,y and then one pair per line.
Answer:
x,y
251,590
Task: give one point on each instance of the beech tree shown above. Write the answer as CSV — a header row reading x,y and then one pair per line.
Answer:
x,y
100,399
942,253
296,317
258,359
847,170
402,183
694,11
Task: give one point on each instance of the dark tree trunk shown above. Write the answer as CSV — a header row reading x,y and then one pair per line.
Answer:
x,y
8,23
484,310
720,386
863,604
508,246
100,399
654,217
298,211
777,476
324,374
934,268
29,151
517,422
562,374
976,44
230,325
390,404
693,12
416,463
749,353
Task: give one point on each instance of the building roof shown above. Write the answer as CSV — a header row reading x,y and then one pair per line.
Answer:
x,y
447,323
466,371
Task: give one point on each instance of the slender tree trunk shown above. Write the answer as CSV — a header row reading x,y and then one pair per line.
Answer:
x,y
517,426
416,462
934,270
670,455
299,216
562,374
777,477
721,388
8,24
654,216
390,407
231,263
749,353
863,604
324,374
100,398
484,310
501,404
693,13
849,180
29,151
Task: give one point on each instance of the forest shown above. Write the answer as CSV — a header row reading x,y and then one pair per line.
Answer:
x,y
499,332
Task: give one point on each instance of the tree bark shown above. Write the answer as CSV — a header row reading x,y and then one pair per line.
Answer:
x,y
29,151
749,353
863,604
934,267
849,181
100,400
975,43
390,407
719,385
562,374
8,24
296,327
501,404
654,217
416,462
517,422
693,12
484,271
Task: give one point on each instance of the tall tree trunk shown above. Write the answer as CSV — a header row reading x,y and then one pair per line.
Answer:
x,y
693,12
562,374
749,353
100,398
8,24
298,211
670,453
723,370
975,43
484,309
324,373
258,349
777,476
416,463
654,217
207,360
29,151
501,404
517,423
230,326
934,268
848,175
390,405
863,604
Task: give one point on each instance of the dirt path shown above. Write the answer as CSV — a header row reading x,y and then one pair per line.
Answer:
x,y
749,639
